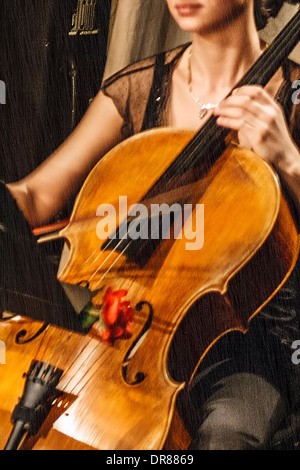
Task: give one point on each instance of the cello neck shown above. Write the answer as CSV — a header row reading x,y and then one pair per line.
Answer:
x,y
210,139
272,58
209,142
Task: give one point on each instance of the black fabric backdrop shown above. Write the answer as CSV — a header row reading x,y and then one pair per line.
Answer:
x,y
44,101
36,56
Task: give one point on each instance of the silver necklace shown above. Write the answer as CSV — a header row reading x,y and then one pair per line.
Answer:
x,y
204,107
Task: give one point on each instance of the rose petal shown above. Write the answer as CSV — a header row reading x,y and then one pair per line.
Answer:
x,y
111,312
117,316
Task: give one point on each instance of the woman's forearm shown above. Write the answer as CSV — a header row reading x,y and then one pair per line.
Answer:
x,y
45,191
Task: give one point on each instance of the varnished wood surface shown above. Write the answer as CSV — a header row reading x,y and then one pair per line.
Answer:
x,y
244,212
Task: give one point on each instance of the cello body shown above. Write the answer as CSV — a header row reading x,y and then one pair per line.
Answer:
x,y
123,396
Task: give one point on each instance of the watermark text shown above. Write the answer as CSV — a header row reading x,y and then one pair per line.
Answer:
x,y
296,94
2,92
296,354
159,221
2,353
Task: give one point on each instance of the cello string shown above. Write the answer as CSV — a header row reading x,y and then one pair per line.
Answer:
x,y
211,132
106,350
111,240
104,356
122,252
69,379
212,125
115,249
259,73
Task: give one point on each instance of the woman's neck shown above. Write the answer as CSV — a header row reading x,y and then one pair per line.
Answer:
x,y
219,61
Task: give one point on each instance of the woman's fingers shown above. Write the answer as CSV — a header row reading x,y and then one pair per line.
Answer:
x,y
258,119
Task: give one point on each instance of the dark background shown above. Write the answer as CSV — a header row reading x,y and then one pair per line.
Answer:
x,y
37,57
50,78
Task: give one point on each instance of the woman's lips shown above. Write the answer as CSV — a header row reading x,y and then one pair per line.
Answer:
x,y
187,9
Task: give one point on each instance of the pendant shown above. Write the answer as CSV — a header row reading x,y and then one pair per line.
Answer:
x,y
202,113
204,108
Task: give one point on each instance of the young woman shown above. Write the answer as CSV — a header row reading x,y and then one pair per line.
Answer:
x,y
240,399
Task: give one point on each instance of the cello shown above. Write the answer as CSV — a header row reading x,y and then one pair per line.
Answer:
x,y
123,395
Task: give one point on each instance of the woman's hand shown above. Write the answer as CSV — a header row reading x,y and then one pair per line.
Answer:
x,y
261,125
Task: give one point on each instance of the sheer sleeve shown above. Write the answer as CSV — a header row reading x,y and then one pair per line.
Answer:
x,y
129,89
117,88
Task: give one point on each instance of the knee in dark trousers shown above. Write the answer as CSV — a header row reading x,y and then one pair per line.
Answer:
x,y
239,415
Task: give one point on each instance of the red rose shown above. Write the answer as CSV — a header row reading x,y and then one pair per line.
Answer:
x,y
117,316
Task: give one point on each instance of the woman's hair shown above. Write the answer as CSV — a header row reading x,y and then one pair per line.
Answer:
x,y
264,9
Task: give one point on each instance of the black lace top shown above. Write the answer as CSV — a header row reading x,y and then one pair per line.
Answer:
x,y
130,90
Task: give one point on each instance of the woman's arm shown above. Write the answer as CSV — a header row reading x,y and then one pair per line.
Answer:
x,y
42,193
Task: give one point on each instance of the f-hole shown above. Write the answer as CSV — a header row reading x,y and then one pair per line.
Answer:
x,y
140,376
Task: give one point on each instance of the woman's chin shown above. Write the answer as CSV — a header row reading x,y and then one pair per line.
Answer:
x,y
190,25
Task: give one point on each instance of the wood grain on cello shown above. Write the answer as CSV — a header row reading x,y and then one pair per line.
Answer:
x,y
123,395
